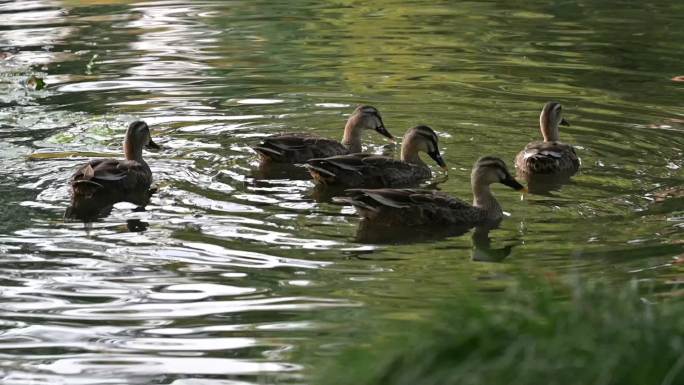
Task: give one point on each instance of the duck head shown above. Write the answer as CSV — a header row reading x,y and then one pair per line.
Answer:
x,y
421,139
490,169
550,118
138,137
368,117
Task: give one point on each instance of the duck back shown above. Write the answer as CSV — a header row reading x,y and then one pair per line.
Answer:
x,y
100,183
367,170
547,158
298,148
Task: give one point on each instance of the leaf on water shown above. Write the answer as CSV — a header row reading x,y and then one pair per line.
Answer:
x,y
35,83
66,155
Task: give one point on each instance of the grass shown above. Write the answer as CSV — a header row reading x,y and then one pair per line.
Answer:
x,y
533,334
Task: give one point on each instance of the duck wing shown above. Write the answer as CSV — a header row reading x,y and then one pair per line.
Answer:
x,y
406,197
547,158
411,207
112,174
366,170
298,148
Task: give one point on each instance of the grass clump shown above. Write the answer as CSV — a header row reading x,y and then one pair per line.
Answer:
x,y
531,335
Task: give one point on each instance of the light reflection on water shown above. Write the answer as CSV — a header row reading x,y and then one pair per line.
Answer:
x,y
235,270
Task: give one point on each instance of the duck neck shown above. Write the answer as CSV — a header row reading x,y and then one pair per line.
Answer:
x,y
352,134
484,199
133,151
549,131
409,153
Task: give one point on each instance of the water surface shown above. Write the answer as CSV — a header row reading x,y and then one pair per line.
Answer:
x,y
233,278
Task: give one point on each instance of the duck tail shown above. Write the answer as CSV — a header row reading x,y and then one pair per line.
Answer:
x,y
84,189
317,165
318,173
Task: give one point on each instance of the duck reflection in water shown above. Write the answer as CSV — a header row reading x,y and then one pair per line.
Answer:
x,y
483,250
428,213
136,225
285,171
100,183
546,184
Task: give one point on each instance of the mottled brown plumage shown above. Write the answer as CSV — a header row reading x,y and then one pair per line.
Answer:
x,y
100,183
355,170
549,156
300,147
413,207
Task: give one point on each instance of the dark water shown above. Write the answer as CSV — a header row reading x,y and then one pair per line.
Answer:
x,y
238,279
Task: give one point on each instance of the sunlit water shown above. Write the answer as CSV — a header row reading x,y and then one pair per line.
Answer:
x,y
233,277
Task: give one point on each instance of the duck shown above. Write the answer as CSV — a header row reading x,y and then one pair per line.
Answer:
x,y
368,170
100,183
550,156
300,147
419,208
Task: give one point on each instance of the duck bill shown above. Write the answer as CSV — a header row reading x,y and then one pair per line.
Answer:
x,y
514,184
151,144
382,130
438,158
564,122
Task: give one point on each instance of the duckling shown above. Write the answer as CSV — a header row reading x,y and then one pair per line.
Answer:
x,y
300,147
100,183
368,170
424,208
550,156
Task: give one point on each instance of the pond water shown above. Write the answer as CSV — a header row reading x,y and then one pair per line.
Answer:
x,y
236,277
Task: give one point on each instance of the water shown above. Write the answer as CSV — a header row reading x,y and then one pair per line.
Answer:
x,y
232,278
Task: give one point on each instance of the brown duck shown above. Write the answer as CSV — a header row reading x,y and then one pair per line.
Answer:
x,y
425,208
300,147
100,183
551,156
355,170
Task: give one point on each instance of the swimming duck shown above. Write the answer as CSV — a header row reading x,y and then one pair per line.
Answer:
x,y
369,170
550,156
425,208
100,183
300,147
